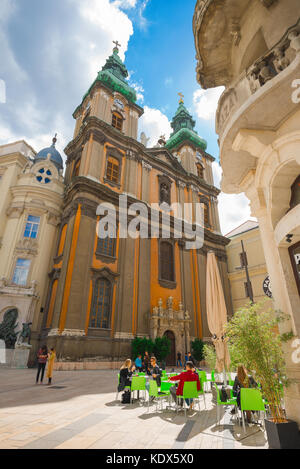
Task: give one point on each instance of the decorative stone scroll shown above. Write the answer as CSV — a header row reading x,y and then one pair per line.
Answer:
x,y
165,319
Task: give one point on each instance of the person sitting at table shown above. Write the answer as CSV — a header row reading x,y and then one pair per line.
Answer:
x,y
125,374
242,380
146,363
191,359
188,376
155,373
138,363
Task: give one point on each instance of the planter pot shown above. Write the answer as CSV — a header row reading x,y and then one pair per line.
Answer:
x,y
283,435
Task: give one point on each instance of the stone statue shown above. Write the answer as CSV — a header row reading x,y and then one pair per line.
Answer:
x,y
25,333
170,302
144,139
7,328
187,316
164,194
280,61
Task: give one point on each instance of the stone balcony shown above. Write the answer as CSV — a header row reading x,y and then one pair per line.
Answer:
x,y
263,70
261,100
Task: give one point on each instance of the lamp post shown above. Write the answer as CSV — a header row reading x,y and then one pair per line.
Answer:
x,y
245,264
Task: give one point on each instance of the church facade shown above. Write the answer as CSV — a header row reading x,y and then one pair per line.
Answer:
x,y
104,292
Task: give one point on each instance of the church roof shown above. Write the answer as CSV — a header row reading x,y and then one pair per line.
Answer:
x,y
183,125
55,156
246,226
114,75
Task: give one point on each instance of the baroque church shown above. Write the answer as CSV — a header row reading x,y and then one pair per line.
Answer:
x,y
92,296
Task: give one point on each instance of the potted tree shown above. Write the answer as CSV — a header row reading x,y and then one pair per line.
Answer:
x,y
254,337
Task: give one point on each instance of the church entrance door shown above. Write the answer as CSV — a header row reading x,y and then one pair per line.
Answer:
x,y
171,358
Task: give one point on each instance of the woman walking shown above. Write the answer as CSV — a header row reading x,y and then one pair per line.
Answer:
x,y
51,359
42,360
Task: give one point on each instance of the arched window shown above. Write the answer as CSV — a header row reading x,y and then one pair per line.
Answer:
x,y
205,205
200,171
101,304
117,121
295,198
167,262
113,170
206,213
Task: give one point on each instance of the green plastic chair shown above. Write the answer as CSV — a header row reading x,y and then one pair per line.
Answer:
x,y
154,392
138,383
126,387
202,392
251,399
232,401
203,378
190,391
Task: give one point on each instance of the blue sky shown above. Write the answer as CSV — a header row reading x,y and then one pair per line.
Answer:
x,y
52,50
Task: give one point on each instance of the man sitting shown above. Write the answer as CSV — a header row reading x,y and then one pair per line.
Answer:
x,y
155,373
187,376
138,363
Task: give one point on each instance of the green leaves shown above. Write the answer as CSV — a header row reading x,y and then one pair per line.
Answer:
x,y
210,356
160,347
255,342
197,349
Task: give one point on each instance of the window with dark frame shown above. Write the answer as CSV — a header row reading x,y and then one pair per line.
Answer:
x,y
101,304
113,170
167,261
200,171
106,246
117,121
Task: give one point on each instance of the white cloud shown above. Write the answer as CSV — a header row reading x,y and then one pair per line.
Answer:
x,y
234,209
139,91
126,4
154,123
41,95
206,102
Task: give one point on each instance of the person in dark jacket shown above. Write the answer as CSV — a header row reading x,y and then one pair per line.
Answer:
x,y
178,361
146,362
42,360
242,380
191,359
155,373
125,374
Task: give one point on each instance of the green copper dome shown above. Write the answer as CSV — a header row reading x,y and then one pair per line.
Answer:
x,y
183,125
114,75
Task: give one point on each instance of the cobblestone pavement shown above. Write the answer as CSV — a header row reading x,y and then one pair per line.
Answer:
x,y
80,410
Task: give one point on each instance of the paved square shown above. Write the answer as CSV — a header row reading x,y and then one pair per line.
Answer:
x,y
80,411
